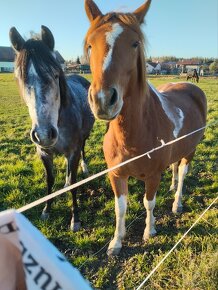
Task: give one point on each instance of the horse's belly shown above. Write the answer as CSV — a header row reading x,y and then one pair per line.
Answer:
x,y
141,168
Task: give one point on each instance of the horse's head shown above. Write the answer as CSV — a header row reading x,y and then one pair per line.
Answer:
x,y
115,46
41,83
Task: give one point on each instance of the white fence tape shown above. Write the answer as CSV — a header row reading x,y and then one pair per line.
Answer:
x,y
86,180
173,248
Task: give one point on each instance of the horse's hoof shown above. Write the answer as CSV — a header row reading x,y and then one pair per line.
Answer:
x,y
75,227
84,168
177,210
66,184
44,216
148,235
113,251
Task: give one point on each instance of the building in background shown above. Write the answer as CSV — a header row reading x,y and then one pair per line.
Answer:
x,y
6,59
7,56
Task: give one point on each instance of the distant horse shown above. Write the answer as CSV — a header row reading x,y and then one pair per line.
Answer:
x,y
140,116
193,75
59,109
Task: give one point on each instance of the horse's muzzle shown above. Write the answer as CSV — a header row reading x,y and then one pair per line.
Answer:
x,y
105,104
44,137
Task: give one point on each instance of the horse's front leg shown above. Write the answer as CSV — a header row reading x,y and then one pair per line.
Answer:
x,y
174,183
183,170
47,160
120,188
71,175
152,185
83,161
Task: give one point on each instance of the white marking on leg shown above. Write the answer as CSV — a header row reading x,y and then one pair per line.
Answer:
x,y
120,211
68,173
150,219
67,182
175,115
111,37
174,167
177,205
84,167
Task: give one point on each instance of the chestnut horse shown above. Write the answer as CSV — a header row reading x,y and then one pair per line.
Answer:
x,y
139,115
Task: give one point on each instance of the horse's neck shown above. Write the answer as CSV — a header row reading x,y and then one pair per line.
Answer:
x,y
66,105
128,126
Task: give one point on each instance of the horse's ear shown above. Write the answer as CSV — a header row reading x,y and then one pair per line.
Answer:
x,y
141,11
47,37
16,39
92,10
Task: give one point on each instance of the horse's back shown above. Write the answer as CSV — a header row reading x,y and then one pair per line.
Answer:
x,y
188,97
190,101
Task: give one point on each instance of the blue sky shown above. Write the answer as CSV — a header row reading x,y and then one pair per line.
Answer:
x,y
182,28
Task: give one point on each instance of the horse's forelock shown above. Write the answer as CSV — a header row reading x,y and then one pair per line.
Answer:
x,y
40,56
44,62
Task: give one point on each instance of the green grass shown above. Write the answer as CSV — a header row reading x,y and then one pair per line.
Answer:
x,y
193,265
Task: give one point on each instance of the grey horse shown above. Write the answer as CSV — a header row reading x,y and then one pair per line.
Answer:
x,y
58,107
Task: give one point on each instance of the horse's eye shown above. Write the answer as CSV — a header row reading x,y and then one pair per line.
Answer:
x,y
136,44
56,76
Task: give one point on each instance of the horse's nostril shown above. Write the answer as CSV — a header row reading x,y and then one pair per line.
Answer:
x,y
52,133
114,97
34,136
44,137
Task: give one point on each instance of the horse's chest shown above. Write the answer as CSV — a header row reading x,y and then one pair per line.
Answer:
x,y
116,153
68,140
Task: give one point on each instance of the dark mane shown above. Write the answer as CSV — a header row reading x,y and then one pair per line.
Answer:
x,y
129,20
44,62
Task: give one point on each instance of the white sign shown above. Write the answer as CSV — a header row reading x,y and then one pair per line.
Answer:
x,y
44,266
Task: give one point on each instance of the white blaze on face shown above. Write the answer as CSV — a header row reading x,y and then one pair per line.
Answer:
x,y
42,112
111,38
53,103
29,96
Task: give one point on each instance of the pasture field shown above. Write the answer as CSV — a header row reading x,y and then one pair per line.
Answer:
x,y
193,265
